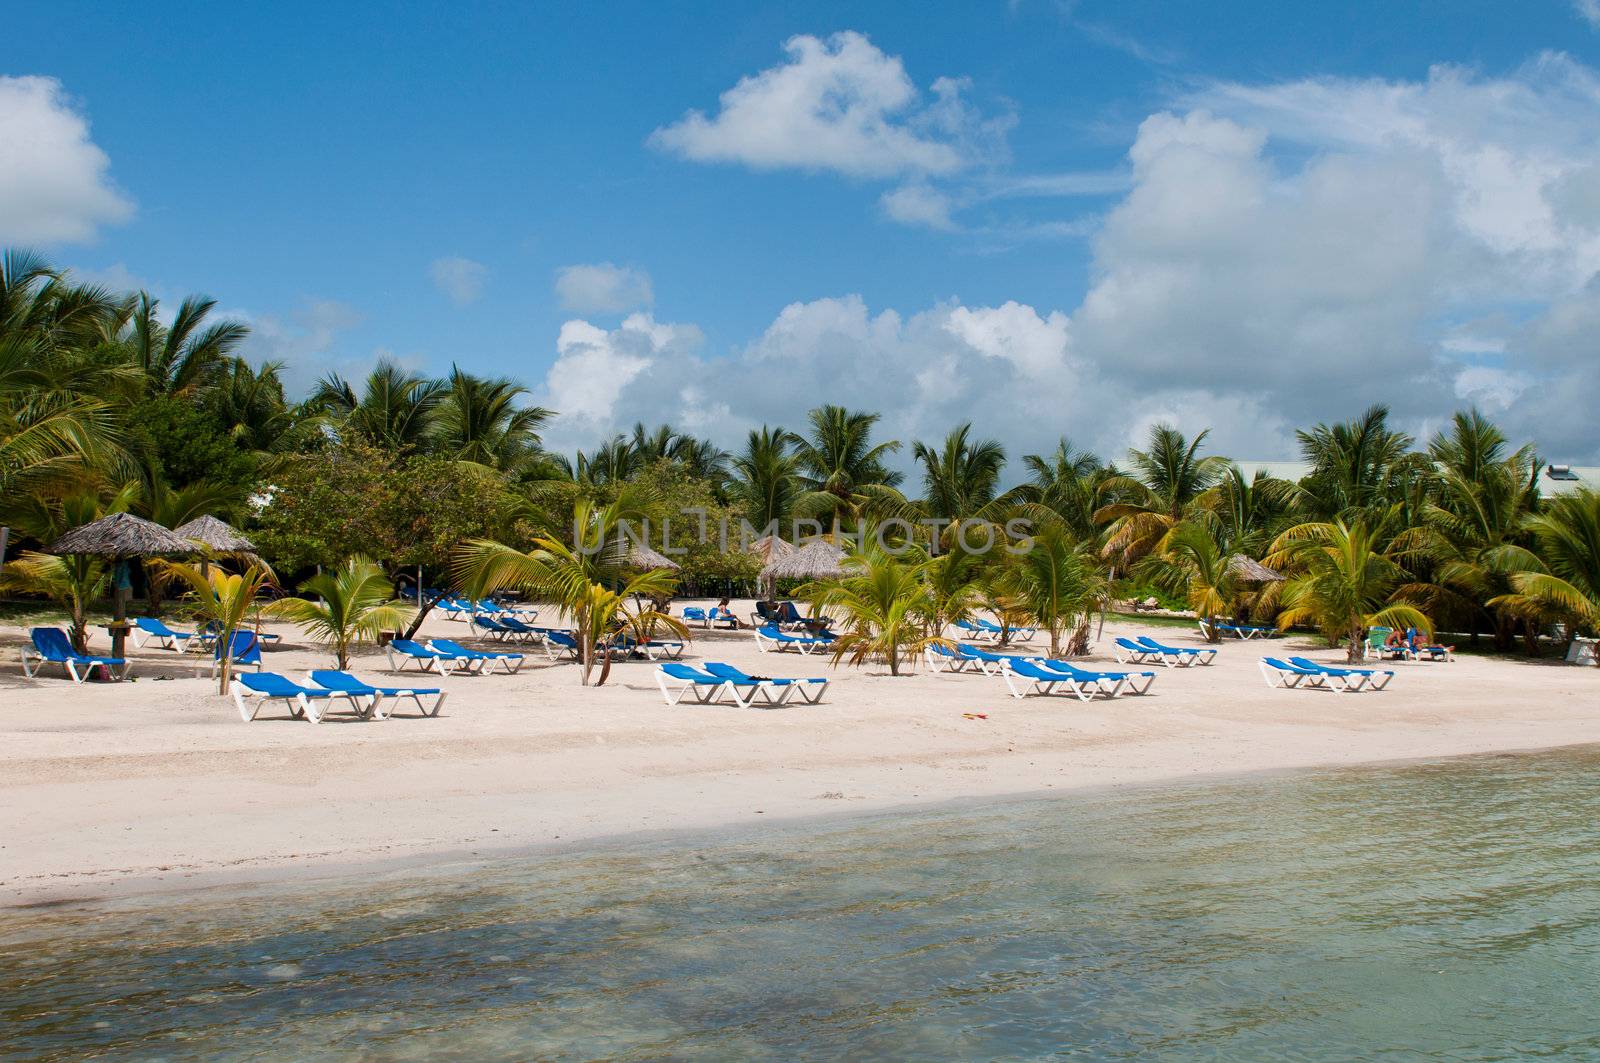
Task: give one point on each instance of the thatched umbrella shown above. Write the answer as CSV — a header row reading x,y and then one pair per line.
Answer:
x,y
1252,571
644,559
771,549
121,537
818,559
217,535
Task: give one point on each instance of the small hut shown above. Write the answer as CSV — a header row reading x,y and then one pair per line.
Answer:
x,y
644,559
121,537
771,549
818,559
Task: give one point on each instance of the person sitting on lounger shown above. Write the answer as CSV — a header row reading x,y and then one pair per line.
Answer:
x,y
722,613
1396,640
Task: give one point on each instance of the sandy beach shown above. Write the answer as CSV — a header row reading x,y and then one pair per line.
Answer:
x,y
158,783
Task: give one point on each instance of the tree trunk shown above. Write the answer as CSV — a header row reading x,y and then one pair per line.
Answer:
x,y
422,614
225,671
1530,638
1352,654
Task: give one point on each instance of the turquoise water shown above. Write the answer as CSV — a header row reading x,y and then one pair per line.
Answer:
x,y
1449,909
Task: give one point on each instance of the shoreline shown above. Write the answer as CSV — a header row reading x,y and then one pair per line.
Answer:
x,y
89,888
110,790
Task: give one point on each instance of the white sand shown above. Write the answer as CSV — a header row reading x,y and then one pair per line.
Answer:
x,y
154,784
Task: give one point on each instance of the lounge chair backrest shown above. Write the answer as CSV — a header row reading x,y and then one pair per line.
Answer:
x,y
694,612
414,649
771,632
244,648
333,679
724,671
152,625
451,646
682,671
561,638
270,683
788,613
52,643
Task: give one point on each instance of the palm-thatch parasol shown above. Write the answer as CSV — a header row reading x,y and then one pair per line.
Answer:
x,y
771,549
818,559
121,536
1252,571
644,559
217,535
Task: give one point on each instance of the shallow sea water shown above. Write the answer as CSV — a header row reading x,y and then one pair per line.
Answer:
x,y
1448,910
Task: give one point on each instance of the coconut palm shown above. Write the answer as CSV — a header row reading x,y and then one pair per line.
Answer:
x,y
1169,482
185,355
589,578
248,402
222,599
396,410
1343,582
882,603
482,420
1064,486
1568,583
1191,562
766,482
961,479
842,470
1058,583
1353,464
355,603
49,435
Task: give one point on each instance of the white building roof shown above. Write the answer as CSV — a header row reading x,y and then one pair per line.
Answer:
x,y
1555,478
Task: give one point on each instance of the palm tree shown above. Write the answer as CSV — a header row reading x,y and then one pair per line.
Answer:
x,y
223,599
248,401
766,482
172,507
589,579
1568,583
1064,486
1343,582
843,473
1352,464
961,479
1170,482
356,603
396,410
1189,560
186,355
1059,583
882,601
481,420
74,582
49,435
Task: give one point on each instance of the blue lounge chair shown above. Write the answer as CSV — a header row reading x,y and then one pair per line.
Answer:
x,y
508,661
1129,651
1111,682
1024,677
652,649
697,614
1187,655
262,687
149,629
940,657
244,652
495,628
1238,631
1375,678
810,690
52,646
1018,634
332,679
404,651
770,638
1434,652
1280,673
679,680
972,629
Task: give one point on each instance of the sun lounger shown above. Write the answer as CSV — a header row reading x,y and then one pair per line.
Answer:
x,y
972,630
679,680
1136,682
262,687
988,661
1188,655
1238,631
1024,677
770,639
1287,674
1376,678
500,628
653,649
696,614
404,651
1015,634
51,646
148,629
332,679
940,657
1129,651
508,661
244,652
810,690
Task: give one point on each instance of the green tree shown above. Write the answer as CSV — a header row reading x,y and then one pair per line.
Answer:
x,y
882,603
842,471
1343,582
1058,582
1191,562
482,420
766,481
223,599
1170,482
1567,583
396,410
355,603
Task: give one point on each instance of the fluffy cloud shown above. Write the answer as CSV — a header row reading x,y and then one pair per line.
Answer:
x,y
918,204
595,366
460,279
1589,11
54,186
838,104
303,341
603,288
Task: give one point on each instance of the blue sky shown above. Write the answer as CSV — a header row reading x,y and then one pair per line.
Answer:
x,y
401,179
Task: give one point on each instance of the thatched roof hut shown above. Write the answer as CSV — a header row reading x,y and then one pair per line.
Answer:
x,y
216,535
1252,571
122,535
818,559
770,548
644,559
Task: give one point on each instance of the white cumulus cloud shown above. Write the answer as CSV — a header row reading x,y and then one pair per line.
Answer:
x,y
843,105
460,279
54,181
603,288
